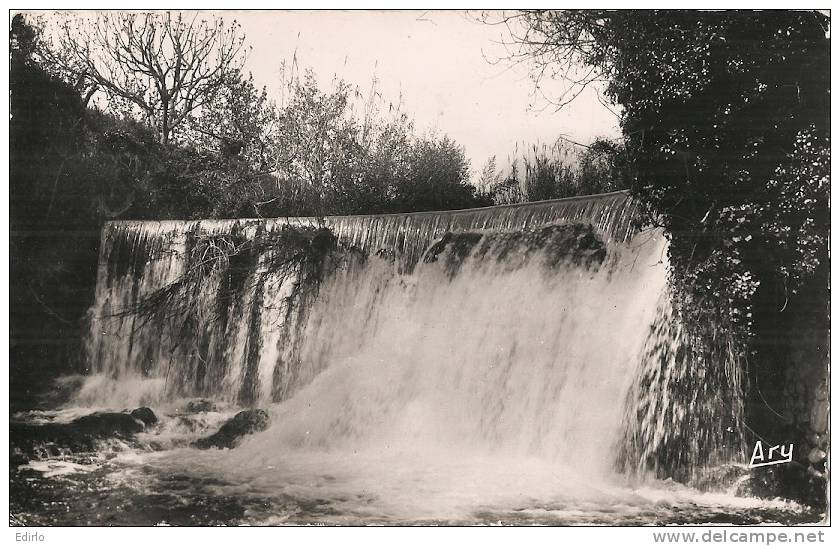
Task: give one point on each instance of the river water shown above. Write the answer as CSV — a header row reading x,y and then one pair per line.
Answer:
x,y
508,365
157,480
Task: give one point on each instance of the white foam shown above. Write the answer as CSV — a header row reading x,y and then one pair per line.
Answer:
x,y
53,468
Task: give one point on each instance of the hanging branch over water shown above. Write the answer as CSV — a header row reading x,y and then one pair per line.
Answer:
x,y
305,255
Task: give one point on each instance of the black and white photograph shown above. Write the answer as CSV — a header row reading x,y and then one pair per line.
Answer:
x,y
562,268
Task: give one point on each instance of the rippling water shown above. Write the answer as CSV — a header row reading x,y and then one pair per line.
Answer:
x,y
510,365
156,480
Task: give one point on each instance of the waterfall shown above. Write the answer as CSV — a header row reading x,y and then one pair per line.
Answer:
x,y
541,331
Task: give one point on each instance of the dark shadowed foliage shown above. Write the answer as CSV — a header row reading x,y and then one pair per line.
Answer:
x,y
726,130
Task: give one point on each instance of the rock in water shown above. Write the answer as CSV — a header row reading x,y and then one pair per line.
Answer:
x,y
80,435
146,415
201,405
105,424
244,422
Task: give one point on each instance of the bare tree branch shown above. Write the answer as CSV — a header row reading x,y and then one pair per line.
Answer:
x,y
557,45
161,66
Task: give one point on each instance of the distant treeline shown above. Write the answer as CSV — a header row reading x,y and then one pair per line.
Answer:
x,y
240,155
101,130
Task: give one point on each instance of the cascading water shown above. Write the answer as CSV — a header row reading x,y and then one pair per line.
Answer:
x,y
450,366
181,307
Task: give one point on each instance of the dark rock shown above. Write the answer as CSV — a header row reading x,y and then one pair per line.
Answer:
x,y
244,422
146,415
790,481
105,424
201,405
28,441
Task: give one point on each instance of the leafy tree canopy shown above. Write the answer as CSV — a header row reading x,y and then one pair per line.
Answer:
x,y
726,129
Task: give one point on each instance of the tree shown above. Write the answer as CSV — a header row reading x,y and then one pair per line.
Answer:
x,y
47,121
437,178
564,45
726,131
318,140
603,167
53,209
163,66
713,105
562,170
240,121
329,159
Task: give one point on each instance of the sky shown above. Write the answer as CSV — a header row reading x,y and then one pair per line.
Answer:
x,y
436,61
